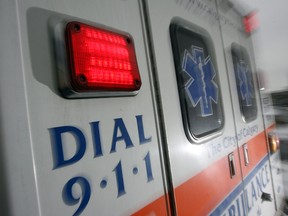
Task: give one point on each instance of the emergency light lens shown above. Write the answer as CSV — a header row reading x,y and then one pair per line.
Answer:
x,y
250,22
273,142
101,59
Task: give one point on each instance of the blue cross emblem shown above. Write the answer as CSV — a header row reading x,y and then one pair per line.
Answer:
x,y
200,87
245,84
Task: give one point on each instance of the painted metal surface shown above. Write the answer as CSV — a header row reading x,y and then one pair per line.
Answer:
x,y
131,155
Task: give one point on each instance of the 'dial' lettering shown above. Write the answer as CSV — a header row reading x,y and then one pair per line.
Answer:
x,y
120,126
120,136
57,145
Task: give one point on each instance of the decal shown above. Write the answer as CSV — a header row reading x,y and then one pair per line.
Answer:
x,y
216,148
245,83
241,202
200,87
120,136
224,196
70,199
193,6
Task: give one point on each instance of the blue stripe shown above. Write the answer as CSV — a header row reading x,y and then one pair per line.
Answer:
x,y
227,201
255,170
238,190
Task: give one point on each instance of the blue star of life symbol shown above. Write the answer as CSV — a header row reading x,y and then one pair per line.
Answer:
x,y
200,87
245,84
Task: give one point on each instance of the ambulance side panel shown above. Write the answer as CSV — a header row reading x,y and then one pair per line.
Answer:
x,y
82,156
200,168
251,133
143,154
277,168
18,183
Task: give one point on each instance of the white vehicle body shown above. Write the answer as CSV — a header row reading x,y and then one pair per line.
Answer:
x,y
129,155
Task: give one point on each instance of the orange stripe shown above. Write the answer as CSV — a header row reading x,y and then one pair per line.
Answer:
x,y
158,207
271,127
200,194
257,149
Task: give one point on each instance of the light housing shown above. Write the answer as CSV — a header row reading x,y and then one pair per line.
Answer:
x,y
273,142
100,62
251,22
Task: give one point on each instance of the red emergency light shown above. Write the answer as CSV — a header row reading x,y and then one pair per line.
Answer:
x,y
251,22
101,60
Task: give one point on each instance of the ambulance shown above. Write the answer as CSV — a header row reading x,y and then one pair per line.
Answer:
x,y
125,107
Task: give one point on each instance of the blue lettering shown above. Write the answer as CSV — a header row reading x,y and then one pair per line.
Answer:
x,y
232,211
96,139
83,199
264,183
141,134
259,186
238,207
240,135
254,195
267,174
57,145
247,200
120,180
119,125
245,132
62,157
243,204
226,142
